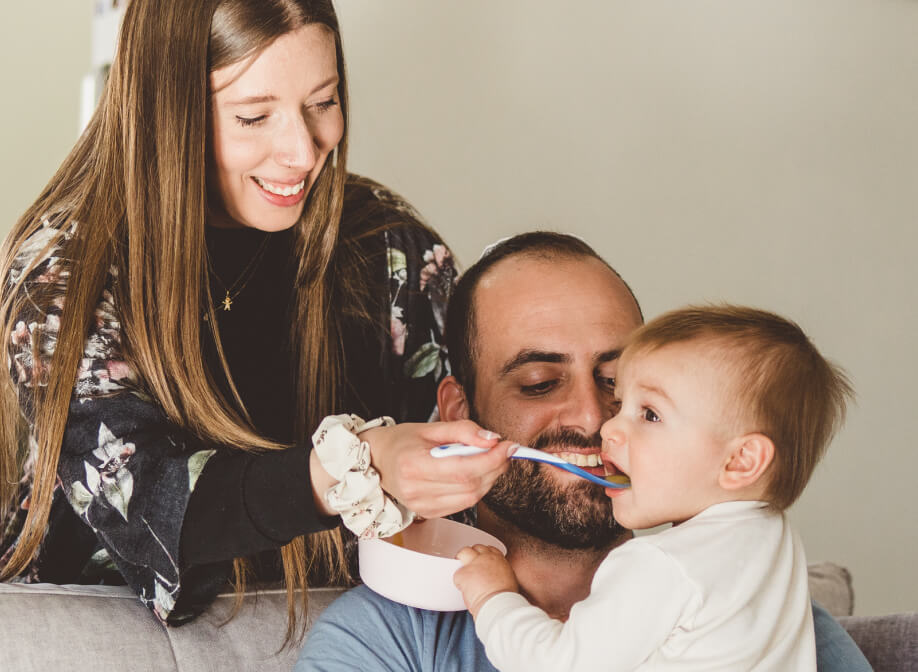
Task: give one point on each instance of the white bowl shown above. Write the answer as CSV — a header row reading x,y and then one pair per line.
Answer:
x,y
419,572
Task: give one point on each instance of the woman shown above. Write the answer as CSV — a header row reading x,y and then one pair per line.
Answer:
x,y
205,270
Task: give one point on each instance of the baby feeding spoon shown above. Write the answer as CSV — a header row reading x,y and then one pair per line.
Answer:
x,y
524,453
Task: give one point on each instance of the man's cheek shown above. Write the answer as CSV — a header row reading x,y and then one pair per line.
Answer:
x,y
507,424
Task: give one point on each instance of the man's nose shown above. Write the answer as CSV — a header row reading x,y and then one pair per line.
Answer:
x,y
295,146
586,407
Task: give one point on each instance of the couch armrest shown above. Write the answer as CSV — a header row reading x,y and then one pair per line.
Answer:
x,y
889,642
107,629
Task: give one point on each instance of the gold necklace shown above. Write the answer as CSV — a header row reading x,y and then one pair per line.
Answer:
x,y
242,279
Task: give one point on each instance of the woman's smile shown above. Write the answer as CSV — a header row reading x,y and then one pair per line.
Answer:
x,y
281,194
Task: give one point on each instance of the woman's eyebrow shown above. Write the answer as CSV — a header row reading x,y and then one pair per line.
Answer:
x,y
254,100
271,98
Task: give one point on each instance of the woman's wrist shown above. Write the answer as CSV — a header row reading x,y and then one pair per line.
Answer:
x,y
348,484
321,482
373,437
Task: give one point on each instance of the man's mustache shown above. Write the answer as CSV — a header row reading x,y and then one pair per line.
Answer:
x,y
569,438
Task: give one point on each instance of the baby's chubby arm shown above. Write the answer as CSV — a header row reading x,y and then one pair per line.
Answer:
x,y
484,573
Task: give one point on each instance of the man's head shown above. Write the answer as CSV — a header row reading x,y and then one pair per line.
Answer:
x,y
730,402
534,331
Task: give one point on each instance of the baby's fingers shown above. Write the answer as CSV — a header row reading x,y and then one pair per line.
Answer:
x,y
467,555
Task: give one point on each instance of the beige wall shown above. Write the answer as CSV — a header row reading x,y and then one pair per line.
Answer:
x,y
756,152
44,53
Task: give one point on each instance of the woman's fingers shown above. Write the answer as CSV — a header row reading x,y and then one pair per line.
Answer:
x,y
459,431
450,482
436,486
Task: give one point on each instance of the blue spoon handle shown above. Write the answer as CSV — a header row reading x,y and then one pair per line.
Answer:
x,y
524,453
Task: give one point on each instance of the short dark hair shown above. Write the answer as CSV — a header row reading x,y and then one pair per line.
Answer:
x,y
460,318
781,385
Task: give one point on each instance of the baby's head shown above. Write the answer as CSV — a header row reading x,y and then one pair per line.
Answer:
x,y
719,404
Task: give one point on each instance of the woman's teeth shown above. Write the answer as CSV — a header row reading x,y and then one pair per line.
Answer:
x,y
581,460
279,190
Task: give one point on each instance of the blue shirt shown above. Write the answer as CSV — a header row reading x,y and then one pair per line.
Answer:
x,y
365,631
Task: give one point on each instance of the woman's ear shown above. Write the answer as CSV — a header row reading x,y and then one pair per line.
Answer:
x,y
749,459
451,400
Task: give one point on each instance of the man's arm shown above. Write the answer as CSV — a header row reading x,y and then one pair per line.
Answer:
x,y
364,631
835,650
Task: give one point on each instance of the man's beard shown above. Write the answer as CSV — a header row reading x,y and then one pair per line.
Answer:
x,y
573,516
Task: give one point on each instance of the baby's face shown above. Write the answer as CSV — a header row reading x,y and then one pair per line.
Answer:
x,y
669,436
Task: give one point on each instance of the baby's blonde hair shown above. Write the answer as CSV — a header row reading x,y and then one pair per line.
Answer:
x,y
781,385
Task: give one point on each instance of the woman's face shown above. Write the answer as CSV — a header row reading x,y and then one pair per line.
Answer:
x,y
274,119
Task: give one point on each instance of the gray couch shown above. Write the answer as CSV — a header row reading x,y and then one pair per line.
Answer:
x,y
105,629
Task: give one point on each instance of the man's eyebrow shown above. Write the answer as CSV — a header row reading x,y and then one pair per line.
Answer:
x,y
527,356
608,356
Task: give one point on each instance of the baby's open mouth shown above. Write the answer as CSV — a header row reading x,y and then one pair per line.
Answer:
x,y
614,474
594,461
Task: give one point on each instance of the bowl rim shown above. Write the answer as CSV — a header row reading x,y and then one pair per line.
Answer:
x,y
398,573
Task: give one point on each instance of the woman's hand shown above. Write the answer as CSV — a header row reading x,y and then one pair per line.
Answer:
x,y
485,572
430,486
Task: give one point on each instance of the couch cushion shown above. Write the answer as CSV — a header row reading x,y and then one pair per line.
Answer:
x,y
830,585
106,629
48,627
890,643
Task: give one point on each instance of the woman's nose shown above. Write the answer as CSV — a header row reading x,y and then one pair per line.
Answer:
x,y
295,146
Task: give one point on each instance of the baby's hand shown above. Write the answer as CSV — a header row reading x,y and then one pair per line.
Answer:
x,y
484,573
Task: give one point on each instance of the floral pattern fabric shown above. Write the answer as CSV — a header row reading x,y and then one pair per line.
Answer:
x,y
126,473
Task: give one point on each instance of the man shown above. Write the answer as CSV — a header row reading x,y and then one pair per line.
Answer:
x,y
534,331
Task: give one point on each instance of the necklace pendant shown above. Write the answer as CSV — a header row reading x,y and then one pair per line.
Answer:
x,y
227,302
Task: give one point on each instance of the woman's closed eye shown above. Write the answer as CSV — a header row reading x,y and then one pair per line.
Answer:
x,y
251,121
326,105
323,106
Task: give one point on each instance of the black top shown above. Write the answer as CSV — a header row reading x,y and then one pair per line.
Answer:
x,y
145,502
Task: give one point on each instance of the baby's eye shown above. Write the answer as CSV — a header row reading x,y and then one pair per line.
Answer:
x,y
650,416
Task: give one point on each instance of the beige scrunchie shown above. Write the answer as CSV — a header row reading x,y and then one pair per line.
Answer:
x,y
358,497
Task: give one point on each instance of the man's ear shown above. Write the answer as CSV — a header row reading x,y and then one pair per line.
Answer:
x,y
451,400
749,459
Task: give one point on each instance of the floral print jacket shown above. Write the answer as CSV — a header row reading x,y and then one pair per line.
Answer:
x,y
126,473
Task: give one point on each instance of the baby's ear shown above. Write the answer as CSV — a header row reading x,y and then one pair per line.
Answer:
x,y
749,458
451,400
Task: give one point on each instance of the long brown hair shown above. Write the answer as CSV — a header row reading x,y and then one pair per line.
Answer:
x,y
136,184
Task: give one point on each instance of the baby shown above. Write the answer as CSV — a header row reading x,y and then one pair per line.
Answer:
x,y
725,411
